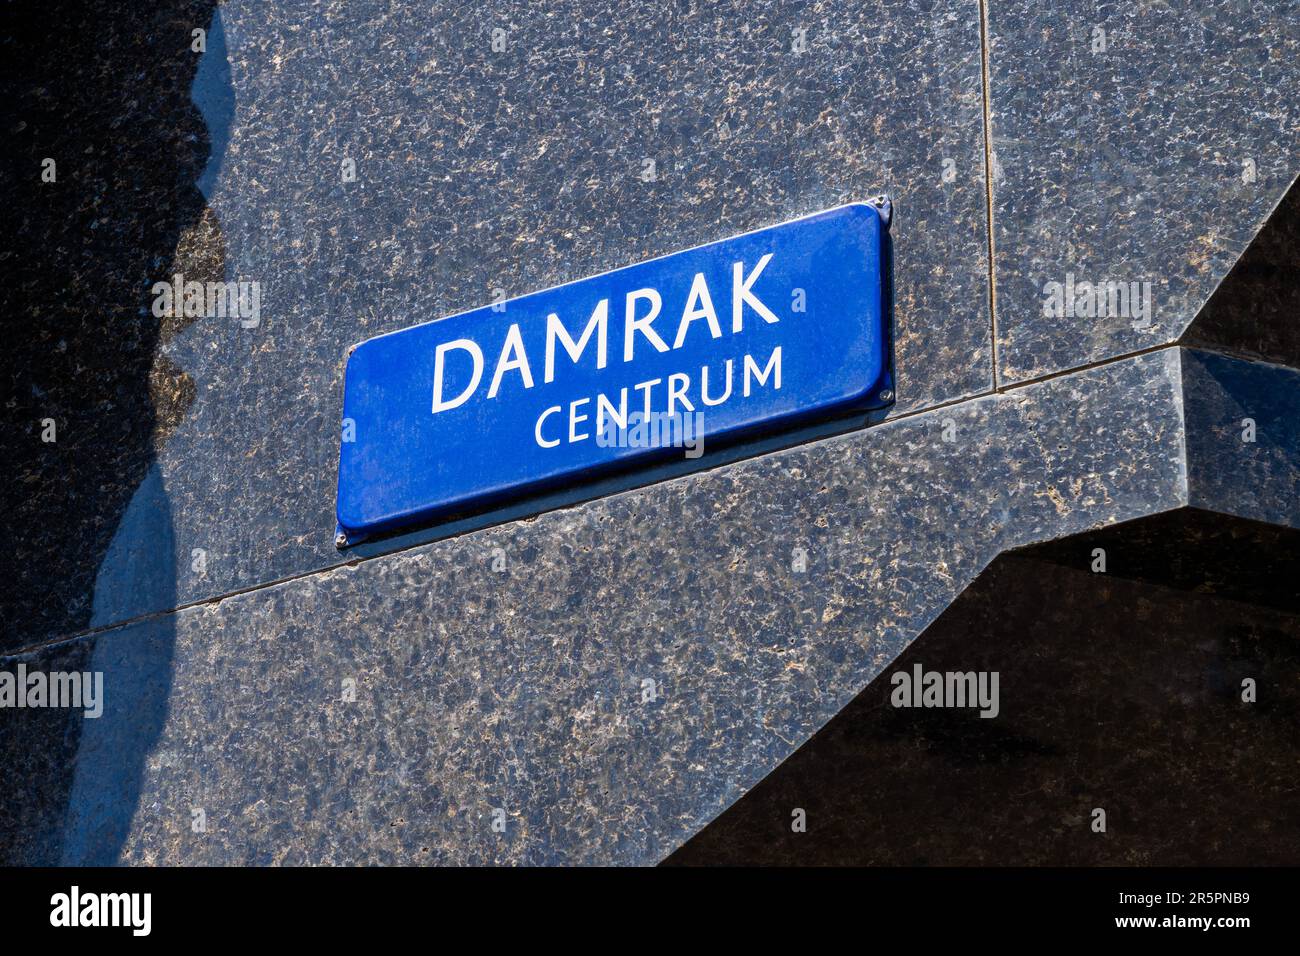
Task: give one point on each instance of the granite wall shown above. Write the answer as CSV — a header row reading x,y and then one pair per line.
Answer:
x,y
1119,690
374,165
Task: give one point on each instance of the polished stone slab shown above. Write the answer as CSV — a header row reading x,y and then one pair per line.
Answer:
x,y
1119,690
107,147
375,165
1253,311
1243,437
610,677
1133,143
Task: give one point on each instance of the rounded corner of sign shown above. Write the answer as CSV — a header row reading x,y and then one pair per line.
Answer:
x,y
877,395
350,527
880,208
353,351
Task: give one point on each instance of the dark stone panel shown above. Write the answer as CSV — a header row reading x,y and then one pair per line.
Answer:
x,y
39,750
1192,550
1154,160
72,782
1243,437
88,396
481,170
1253,311
507,668
1113,692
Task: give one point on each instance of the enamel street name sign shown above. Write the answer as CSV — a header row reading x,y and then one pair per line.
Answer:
x,y
721,341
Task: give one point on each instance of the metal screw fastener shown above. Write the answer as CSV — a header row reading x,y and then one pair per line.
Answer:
x,y
884,207
340,540
886,395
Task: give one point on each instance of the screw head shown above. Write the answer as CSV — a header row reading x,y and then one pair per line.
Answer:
x,y
886,395
884,207
340,540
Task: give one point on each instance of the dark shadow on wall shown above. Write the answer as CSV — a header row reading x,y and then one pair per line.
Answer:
x,y
104,90
1119,690
1253,312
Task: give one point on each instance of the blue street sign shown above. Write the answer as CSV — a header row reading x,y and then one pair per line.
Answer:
x,y
663,357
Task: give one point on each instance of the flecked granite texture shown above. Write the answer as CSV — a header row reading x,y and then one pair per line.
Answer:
x,y
197,458
1253,312
111,105
476,170
1114,692
523,690
1157,159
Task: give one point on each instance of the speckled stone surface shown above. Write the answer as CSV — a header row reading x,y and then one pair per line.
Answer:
x,y
1253,311
476,170
89,395
1154,159
195,462
1115,692
1243,437
759,599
